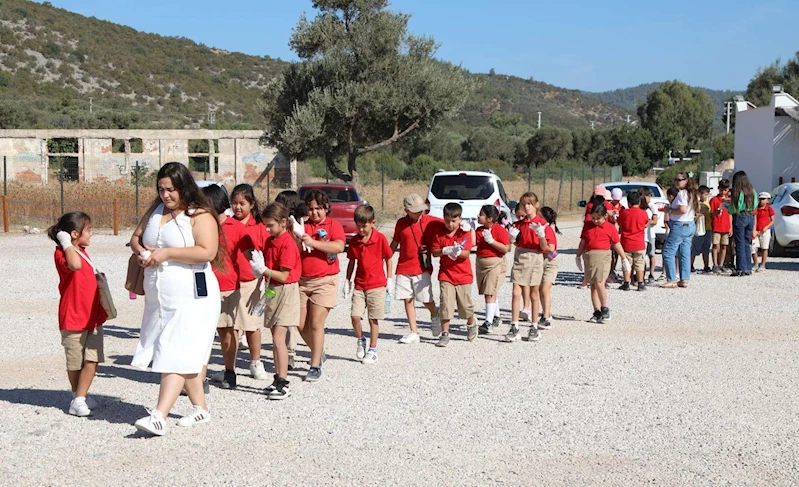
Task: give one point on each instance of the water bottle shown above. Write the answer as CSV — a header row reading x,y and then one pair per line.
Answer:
x,y
323,237
260,307
388,304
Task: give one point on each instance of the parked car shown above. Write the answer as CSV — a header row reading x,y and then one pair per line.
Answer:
x,y
785,233
470,189
344,199
658,199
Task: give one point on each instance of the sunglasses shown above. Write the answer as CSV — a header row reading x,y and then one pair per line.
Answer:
x,y
679,179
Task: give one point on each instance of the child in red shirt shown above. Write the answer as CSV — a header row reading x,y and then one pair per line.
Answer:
x,y
764,220
596,241
550,273
493,242
80,314
452,242
721,224
370,250
279,265
633,222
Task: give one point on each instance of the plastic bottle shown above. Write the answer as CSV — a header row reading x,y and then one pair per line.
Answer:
x,y
388,304
323,237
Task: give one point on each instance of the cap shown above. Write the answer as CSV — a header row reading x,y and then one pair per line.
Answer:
x,y
414,203
764,195
599,190
607,195
616,194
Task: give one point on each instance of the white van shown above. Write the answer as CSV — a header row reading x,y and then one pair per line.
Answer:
x,y
471,190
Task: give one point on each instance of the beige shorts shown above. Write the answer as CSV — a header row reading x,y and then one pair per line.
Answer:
x,y
82,346
284,308
321,291
597,265
452,295
528,268
250,294
550,274
230,307
637,260
418,287
721,238
372,300
490,274
763,241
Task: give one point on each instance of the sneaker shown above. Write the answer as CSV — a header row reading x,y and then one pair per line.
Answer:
x,y
533,335
513,333
641,286
484,329
605,315
291,362
78,407
243,345
497,322
280,391
443,340
271,387
693,270
524,314
625,287
206,387
736,273
257,371
613,278
360,351
596,317
544,323
435,326
228,380
371,357
662,277
91,402
716,269
410,338
761,268
313,375
726,270
471,332
756,269
153,423
217,377
650,279
707,270
197,416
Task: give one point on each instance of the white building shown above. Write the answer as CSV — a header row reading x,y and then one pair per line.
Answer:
x,y
767,141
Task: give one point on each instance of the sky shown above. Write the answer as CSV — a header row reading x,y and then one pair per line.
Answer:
x,y
578,44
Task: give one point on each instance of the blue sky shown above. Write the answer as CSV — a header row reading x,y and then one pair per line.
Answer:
x,y
580,44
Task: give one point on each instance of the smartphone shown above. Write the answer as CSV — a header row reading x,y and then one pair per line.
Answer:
x,y
200,286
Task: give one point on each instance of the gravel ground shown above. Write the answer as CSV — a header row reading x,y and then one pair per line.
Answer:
x,y
690,386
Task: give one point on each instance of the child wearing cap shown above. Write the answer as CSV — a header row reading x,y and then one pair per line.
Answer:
x,y
413,281
764,220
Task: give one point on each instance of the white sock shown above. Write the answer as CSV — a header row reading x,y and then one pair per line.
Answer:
x,y
491,311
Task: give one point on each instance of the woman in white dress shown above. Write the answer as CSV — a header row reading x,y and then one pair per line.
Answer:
x,y
177,242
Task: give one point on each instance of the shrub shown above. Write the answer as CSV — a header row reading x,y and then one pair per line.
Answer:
x,y
421,168
666,177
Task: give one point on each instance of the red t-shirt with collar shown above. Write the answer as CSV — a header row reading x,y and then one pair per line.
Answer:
x,y
370,255
500,235
763,217
458,271
253,238
280,253
233,232
410,236
79,308
590,206
317,263
527,238
720,223
552,239
599,237
632,222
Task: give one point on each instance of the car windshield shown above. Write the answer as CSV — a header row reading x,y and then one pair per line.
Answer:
x,y
458,187
335,195
626,188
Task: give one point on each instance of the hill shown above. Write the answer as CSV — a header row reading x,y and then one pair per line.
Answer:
x,y
61,69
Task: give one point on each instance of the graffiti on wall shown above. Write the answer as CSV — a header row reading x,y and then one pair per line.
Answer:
x,y
28,157
254,157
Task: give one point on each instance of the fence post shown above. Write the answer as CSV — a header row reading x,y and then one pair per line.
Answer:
x,y
5,176
382,186
582,184
268,188
529,177
136,173
5,214
560,189
544,197
61,181
571,188
116,217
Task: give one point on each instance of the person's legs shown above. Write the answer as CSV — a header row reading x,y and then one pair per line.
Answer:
x,y
535,304
74,378
194,389
602,295
687,232
229,343
318,315
410,312
526,297
515,304
85,378
280,351
595,300
670,247
491,306
254,341
546,298
431,307
749,226
356,326
722,255
764,258
171,385
374,332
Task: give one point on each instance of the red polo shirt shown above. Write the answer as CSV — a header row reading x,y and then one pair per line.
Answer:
x,y
281,253
721,222
599,237
763,217
528,239
253,238
458,271
79,308
552,239
232,231
318,263
410,236
369,255
500,235
590,206
632,222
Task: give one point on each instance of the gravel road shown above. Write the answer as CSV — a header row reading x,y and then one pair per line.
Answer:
x,y
690,386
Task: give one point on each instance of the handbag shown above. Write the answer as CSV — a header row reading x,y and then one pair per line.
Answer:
x,y
134,281
106,300
700,226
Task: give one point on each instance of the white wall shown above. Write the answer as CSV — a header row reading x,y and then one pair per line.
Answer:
x,y
754,144
786,151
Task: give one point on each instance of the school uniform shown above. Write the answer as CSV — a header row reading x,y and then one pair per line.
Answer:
x,y
490,264
454,276
283,309
250,288
319,278
528,260
633,224
229,287
550,273
598,241
370,277
413,275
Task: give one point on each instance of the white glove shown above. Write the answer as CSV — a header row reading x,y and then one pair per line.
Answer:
x,y
466,226
257,263
514,233
489,239
390,286
346,290
625,264
299,231
579,261
64,239
538,229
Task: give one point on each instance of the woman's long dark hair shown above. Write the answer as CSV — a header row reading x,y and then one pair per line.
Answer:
x,y
741,185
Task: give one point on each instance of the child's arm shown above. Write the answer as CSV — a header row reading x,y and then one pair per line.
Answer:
x,y
581,248
332,247
280,276
394,246
500,247
389,268
350,269
770,224
619,250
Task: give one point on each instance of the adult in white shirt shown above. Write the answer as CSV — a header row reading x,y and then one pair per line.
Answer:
x,y
682,215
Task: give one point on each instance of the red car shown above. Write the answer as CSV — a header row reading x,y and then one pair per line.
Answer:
x,y
343,201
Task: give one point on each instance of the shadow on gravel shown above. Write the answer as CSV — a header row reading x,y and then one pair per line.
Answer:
x,y
569,279
119,332
109,408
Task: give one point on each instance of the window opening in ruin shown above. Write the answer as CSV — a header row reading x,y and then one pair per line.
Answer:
x,y
118,146
65,167
68,145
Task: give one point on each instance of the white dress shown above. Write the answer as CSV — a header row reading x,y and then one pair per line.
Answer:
x,y
177,329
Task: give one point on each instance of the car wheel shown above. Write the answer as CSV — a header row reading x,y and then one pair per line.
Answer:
x,y
776,250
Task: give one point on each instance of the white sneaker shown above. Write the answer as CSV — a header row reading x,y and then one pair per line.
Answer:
x,y
153,424
410,338
435,326
360,352
217,377
78,407
524,314
196,416
257,371
243,345
371,357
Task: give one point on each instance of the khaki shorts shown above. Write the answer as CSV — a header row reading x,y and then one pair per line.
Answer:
x,y
550,271
320,291
82,346
250,294
418,287
597,265
528,268
637,261
230,307
721,238
763,241
284,308
372,300
452,295
490,274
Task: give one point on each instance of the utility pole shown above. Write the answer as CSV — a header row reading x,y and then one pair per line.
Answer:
x,y
728,104
592,124
628,119
539,119
91,105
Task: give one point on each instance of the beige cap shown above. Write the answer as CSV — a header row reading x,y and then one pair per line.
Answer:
x,y
764,195
414,203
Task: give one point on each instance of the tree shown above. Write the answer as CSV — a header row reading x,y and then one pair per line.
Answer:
x,y
677,116
363,84
760,88
724,145
548,144
486,143
582,145
628,147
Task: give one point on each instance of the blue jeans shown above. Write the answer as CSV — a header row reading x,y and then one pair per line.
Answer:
x,y
742,226
678,244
